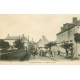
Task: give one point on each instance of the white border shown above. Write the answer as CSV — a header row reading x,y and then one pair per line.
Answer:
x,y
39,72
39,7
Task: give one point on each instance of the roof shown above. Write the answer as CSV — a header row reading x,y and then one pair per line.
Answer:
x,y
15,38
42,42
70,25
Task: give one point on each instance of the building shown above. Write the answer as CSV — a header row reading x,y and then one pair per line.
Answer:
x,y
12,39
67,33
42,42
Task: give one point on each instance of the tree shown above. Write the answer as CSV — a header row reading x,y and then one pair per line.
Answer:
x,y
77,37
77,40
66,46
4,45
31,49
50,44
1,43
19,44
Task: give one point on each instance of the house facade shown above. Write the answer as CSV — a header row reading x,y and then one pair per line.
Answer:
x,y
67,34
42,42
12,39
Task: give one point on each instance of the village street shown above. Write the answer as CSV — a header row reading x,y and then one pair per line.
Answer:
x,y
65,48
56,58
22,56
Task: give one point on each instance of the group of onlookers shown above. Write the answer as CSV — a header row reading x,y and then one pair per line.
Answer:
x,y
69,52
48,53
51,52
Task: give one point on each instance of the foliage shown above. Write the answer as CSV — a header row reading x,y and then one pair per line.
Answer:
x,y
4,45
32,49
19,44
50,44
67,45
30,46
77,37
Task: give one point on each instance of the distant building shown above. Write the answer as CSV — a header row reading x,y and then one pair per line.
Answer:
x,y
54,47
42,42
12,39
67,33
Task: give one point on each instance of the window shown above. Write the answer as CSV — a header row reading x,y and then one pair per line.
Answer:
x,y
70,40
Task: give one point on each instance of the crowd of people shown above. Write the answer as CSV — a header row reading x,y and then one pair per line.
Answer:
x,y
47,52
69,52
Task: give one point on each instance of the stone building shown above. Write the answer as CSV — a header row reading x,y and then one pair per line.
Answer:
x,y
67,33
12,39
42,42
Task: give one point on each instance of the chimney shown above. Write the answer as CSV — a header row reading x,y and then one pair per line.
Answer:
x,y
28,37
32,40
22,35
64,25
61,29
8,35
43,37
74,19
19,36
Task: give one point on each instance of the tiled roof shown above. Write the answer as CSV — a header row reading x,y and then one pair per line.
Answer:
x,y
42,42
69,27
15,38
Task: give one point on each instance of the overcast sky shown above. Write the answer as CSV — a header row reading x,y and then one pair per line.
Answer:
x,y
34,25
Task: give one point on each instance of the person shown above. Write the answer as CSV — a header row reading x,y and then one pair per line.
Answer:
x,y
26,49
35,52
26,56
46,51
67,52
50,52
53,53
71,50
58,52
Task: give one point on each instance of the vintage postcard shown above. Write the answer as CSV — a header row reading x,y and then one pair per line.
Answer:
x,y
40,39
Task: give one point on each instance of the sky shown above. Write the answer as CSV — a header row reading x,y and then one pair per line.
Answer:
x,y
34,25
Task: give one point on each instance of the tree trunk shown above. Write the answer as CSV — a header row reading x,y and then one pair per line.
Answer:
x,y
66,52
76,51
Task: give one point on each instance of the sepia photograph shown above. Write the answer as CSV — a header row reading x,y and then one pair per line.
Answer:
x,y
39,38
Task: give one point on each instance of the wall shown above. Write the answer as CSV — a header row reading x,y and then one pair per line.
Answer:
x,y
66,36
77,30
10,41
